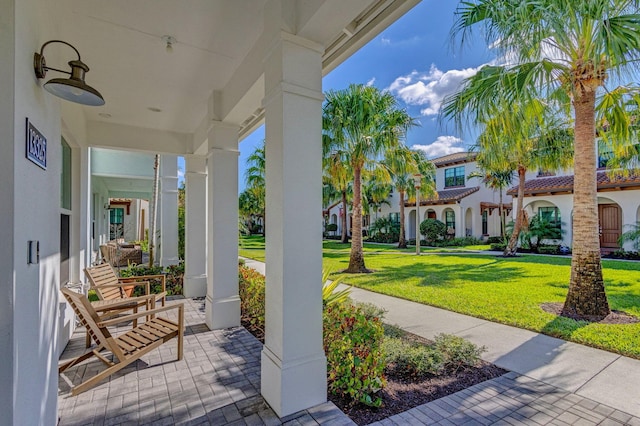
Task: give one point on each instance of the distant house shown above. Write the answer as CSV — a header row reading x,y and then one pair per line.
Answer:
x,y
464,204
551,196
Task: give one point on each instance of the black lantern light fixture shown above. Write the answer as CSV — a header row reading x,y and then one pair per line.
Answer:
x,y
72,89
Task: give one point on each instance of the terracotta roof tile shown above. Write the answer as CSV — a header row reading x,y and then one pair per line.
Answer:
x,y
447,196
564,184
456,158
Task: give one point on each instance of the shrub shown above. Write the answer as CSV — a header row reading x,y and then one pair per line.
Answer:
x,y
352,343
462,241
457,353
251,289
498,246
548,249
433,230
174,277
332,227
495,240
411,359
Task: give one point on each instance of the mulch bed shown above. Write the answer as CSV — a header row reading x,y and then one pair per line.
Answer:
x,y
615,317
405,392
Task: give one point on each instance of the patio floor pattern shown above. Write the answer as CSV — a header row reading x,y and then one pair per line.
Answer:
x,y
216,383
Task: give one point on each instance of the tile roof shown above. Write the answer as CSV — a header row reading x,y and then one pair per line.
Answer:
x,y
456,158
564,184
447,196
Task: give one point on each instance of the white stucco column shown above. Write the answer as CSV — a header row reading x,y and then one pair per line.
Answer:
x,y
84,211
293,361
222,303
195,232
168,210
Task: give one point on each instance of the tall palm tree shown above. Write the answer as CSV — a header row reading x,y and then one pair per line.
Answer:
x,y
403,165
564,50
254,177
524,137
364,123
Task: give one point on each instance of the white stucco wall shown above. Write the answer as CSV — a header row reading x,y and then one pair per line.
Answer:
x,y
30,199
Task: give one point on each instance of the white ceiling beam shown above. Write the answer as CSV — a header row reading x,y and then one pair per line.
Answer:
x,y
132,138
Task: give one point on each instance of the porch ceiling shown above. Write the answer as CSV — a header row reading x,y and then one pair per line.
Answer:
x,y
126,187
215,69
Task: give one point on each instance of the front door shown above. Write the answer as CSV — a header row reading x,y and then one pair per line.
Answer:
x,y
610,217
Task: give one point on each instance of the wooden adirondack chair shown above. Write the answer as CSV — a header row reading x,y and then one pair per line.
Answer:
x,y
108,285
115,296
127,347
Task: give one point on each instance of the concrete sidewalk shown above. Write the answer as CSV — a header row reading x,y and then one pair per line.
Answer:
x,y
588,374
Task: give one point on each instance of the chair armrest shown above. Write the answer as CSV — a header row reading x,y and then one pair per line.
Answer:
x,y
125,318
135,284
108,305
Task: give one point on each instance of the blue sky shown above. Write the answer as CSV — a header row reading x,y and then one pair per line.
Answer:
x,y
416,60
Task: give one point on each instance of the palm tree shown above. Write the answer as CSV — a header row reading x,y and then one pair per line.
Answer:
x,y
363,123
564,50
338,176
254,177
403,165
524,137
496,180
375,194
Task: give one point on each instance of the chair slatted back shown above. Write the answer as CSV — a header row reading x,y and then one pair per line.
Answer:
x,y
101,275
89,319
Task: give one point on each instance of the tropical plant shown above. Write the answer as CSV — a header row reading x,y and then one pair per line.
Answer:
x,y
337,180
539,229
181,220
375,194
404,164
254,177
632,235
523,136
363,123
565,51
330,293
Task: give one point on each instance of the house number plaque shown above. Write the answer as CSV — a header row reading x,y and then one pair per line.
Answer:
x,y
36,146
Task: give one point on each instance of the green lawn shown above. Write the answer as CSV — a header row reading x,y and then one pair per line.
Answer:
x,y
509,291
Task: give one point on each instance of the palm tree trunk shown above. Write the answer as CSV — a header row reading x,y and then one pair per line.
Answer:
x,y
154,210
356,259
343,218
402,243
512,247
501,212
586,296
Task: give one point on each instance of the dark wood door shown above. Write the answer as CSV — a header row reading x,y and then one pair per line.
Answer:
x,y
610,217
431,214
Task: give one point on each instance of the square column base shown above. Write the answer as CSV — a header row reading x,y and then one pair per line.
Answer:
x,y
195,286
222,313
295,385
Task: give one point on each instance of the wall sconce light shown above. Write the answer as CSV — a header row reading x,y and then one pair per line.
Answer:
x,y
72,89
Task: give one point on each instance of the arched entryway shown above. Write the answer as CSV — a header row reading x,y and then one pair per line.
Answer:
x,y
468,223
411,229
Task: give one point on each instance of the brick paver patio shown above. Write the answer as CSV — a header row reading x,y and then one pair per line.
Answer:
x,y
218,383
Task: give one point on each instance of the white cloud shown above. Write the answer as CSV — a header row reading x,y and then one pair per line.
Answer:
x,y
371,81
385,41
443,145
429,88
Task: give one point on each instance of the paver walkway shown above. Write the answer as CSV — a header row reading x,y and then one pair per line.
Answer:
x,y
216,383
551,381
